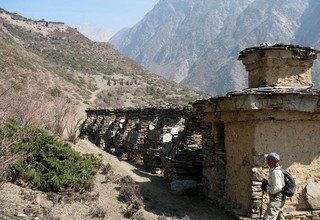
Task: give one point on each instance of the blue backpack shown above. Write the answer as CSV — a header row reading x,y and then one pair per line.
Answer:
x,y
290,184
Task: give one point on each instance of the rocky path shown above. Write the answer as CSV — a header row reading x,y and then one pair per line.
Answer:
x,y
158,200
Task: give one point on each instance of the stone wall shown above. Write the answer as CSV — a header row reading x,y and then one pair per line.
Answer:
x,y
167,138
214,154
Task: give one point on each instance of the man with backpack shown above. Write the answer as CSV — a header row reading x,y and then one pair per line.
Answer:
x,y
274,187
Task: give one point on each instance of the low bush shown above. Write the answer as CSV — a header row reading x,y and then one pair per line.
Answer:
x,y
98,212
110,175
133,208
138,216
45,162
129,193
106,169
69,197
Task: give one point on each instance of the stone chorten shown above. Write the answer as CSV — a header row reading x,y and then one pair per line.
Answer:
x,y
278,65
279,112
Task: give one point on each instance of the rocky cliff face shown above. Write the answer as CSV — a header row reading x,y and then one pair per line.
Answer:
x,y
175,33
309,34
197,42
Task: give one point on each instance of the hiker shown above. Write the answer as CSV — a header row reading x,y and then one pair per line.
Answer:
x,y
273,186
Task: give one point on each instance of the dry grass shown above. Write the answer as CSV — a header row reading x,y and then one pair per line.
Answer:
x,y
129,193
98,212
110,175
64,64
70,197
58,114
139,216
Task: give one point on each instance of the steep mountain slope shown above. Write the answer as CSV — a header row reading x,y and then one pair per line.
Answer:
x,y
262,21
309,31
53,60
197,43
175,33
309,34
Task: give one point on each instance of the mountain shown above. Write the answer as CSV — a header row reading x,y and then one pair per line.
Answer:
x,y
197,43
51,60
309,31
175,33
94,33
262,21
309,34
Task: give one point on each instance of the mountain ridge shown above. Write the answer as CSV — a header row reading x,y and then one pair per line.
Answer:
x,y
210,63
55,60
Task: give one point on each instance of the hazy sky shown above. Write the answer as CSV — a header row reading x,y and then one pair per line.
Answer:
x,y
112,14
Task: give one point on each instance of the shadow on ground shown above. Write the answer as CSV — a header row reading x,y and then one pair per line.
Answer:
x,y
159,200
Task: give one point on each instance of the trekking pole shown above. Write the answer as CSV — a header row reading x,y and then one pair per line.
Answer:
x,y
261,205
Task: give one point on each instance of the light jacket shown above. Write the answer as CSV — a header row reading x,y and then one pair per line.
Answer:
x,y
275,180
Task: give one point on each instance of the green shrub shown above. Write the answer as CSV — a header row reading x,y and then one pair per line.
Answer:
x,y
46,163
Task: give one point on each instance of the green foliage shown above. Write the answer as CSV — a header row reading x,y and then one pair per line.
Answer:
x,y
46,163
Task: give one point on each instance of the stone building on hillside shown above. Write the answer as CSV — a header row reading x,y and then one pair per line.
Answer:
x,y
279,112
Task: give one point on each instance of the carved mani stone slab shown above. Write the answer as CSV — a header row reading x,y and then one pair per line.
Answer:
x,y
167,138
166,148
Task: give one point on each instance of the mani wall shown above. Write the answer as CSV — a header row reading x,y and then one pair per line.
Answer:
x,y
167,138
220,142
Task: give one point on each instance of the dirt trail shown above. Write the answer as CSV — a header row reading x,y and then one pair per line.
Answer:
x,y
158,200
120,167
101,85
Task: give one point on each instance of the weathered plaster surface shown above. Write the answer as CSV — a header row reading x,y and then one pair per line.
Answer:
x,y
298,143
239,143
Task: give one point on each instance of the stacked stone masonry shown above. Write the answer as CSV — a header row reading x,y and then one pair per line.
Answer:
x,y
168,138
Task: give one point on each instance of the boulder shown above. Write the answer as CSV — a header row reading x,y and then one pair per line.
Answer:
x,y
313,195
